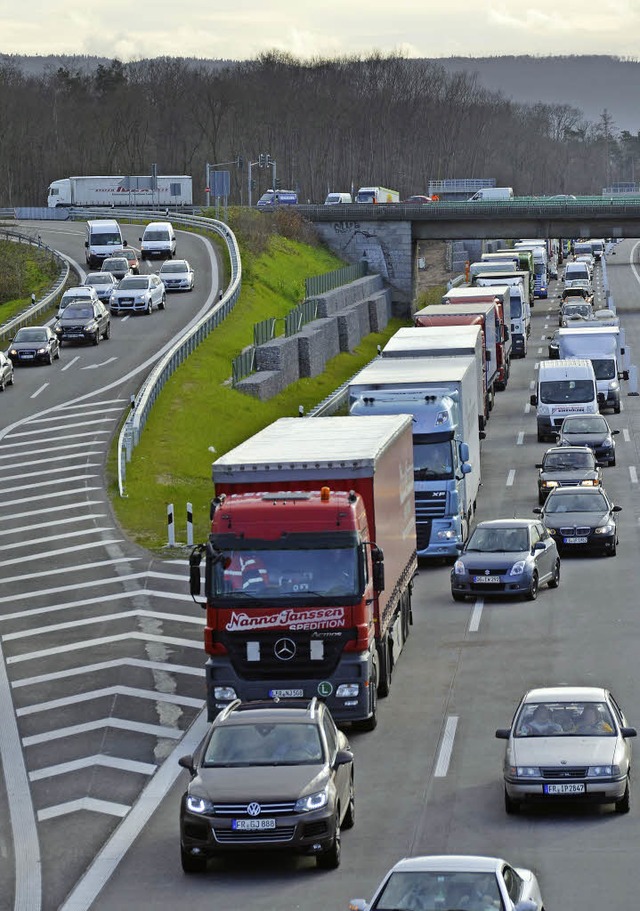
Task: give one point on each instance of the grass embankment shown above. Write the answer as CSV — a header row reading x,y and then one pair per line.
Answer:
x,y
199,416
24,270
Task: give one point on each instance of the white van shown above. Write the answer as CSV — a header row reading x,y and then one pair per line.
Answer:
x,y
492,194
563,387
104,238
336,199
159,239
577,271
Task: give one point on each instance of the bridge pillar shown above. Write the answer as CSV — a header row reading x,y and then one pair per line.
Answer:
x,y
387,247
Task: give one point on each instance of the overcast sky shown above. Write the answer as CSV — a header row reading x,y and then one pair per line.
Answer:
x,y
242,29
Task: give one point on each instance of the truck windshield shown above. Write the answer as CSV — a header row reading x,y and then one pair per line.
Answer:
x,y
432,461
106,239
369,196
604,368
557,392
289,574
516,308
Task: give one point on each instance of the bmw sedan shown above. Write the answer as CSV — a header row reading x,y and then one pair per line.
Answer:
x,y
590,430
84,323
506,557
581,519
138,293
6,371
177,275
568,742
456,882
567,466
34,345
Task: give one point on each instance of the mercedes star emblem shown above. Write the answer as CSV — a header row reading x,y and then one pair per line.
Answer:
x,y
284,649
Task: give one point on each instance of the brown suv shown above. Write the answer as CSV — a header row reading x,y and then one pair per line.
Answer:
x,y
296,791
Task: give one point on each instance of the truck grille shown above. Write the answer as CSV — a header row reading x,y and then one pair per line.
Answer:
x,y
430,504
270,667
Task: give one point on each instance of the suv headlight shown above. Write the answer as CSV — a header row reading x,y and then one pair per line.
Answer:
x,y
518,568
607,443
526,771
312,802
199,804
549,484
603,771
607,529
91,327
458,568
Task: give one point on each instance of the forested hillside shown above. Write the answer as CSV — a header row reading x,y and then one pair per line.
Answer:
x,y
330,124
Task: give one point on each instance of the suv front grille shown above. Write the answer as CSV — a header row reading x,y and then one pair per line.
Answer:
x,y
267,809
269,836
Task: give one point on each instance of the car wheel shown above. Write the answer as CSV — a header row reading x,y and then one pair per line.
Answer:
x,y
616,408
49,358
623,805
540,437
330,859
57,354
511,807
370,724
11,378
458,597
555,582
192,863
149,309
96,338
107,331
350,816
612,462
532,594
2,384
613,550
162,303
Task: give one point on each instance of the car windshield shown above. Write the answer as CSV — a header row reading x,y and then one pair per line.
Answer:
x,y
593,424
575,502
31,335
99,278
414,890
120,263
561,461
557,392
134,282
78,313
105,239
499,540
576,309
562,719
175,266
69,299
264,744
246,575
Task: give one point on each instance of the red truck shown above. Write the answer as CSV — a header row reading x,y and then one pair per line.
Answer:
x,y
499,296
310,564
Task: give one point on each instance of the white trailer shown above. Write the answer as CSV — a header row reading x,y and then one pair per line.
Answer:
x,y
121,191
377,195
602,346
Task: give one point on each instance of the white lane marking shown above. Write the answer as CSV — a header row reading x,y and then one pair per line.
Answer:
x,y
85,803
56,483
633,474
85,669
38,474
38,391
476,615
539,351
103,364
446,747
56,509
520,439
527,408
69,436
82,413
510,478
87,602
88,762
67,459
542,339
70,364
121,724
532,383
152,695
39,498
106,618
85,517
70,550
104,640
28,877
67,570
41,449
63,537
68,426
625,435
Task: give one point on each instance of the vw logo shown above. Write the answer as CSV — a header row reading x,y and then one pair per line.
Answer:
x,y
284,649
254,809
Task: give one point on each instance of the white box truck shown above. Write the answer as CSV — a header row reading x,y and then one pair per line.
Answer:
x,y
492,194
442,396
563,387
121,190
520,299
377,195
603,348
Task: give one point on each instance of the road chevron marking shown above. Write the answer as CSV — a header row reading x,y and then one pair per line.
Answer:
x,y
90,621
122,724
67,570
119,690
164,666
105,640
85,803
87,762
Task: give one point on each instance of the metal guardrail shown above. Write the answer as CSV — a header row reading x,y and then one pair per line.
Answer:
x,y
295,319
7,213
150,390
329,281
9,329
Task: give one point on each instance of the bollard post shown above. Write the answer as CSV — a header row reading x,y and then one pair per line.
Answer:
x,y
171,525
189,525
633,380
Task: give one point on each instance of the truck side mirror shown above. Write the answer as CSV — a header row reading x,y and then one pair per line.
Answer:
x,y
466,468
464,452
377,558
195,559
533,399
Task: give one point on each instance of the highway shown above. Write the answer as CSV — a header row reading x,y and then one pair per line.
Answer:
x,y
428,779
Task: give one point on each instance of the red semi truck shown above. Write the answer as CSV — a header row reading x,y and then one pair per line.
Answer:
x,y
310,564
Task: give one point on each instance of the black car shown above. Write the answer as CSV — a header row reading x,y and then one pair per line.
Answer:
x,y
6,371
84,323
34,345
274,775
567,466
590,430
117,265
581,519
554,345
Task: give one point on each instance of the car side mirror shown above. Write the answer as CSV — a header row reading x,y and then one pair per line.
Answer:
x,y
187,763
628,732
537,511
538,465
503,733
533,399
616,509
539,545
614,432
86,243
526,905
343,757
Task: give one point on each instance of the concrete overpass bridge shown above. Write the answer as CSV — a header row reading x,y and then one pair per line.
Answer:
x,y
388,236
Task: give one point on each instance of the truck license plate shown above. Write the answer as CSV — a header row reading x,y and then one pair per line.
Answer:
x,y
480,579
286,694
574,540
252,825
572,788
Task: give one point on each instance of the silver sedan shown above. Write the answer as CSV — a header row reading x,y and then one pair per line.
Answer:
x,y
568,742
139,294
